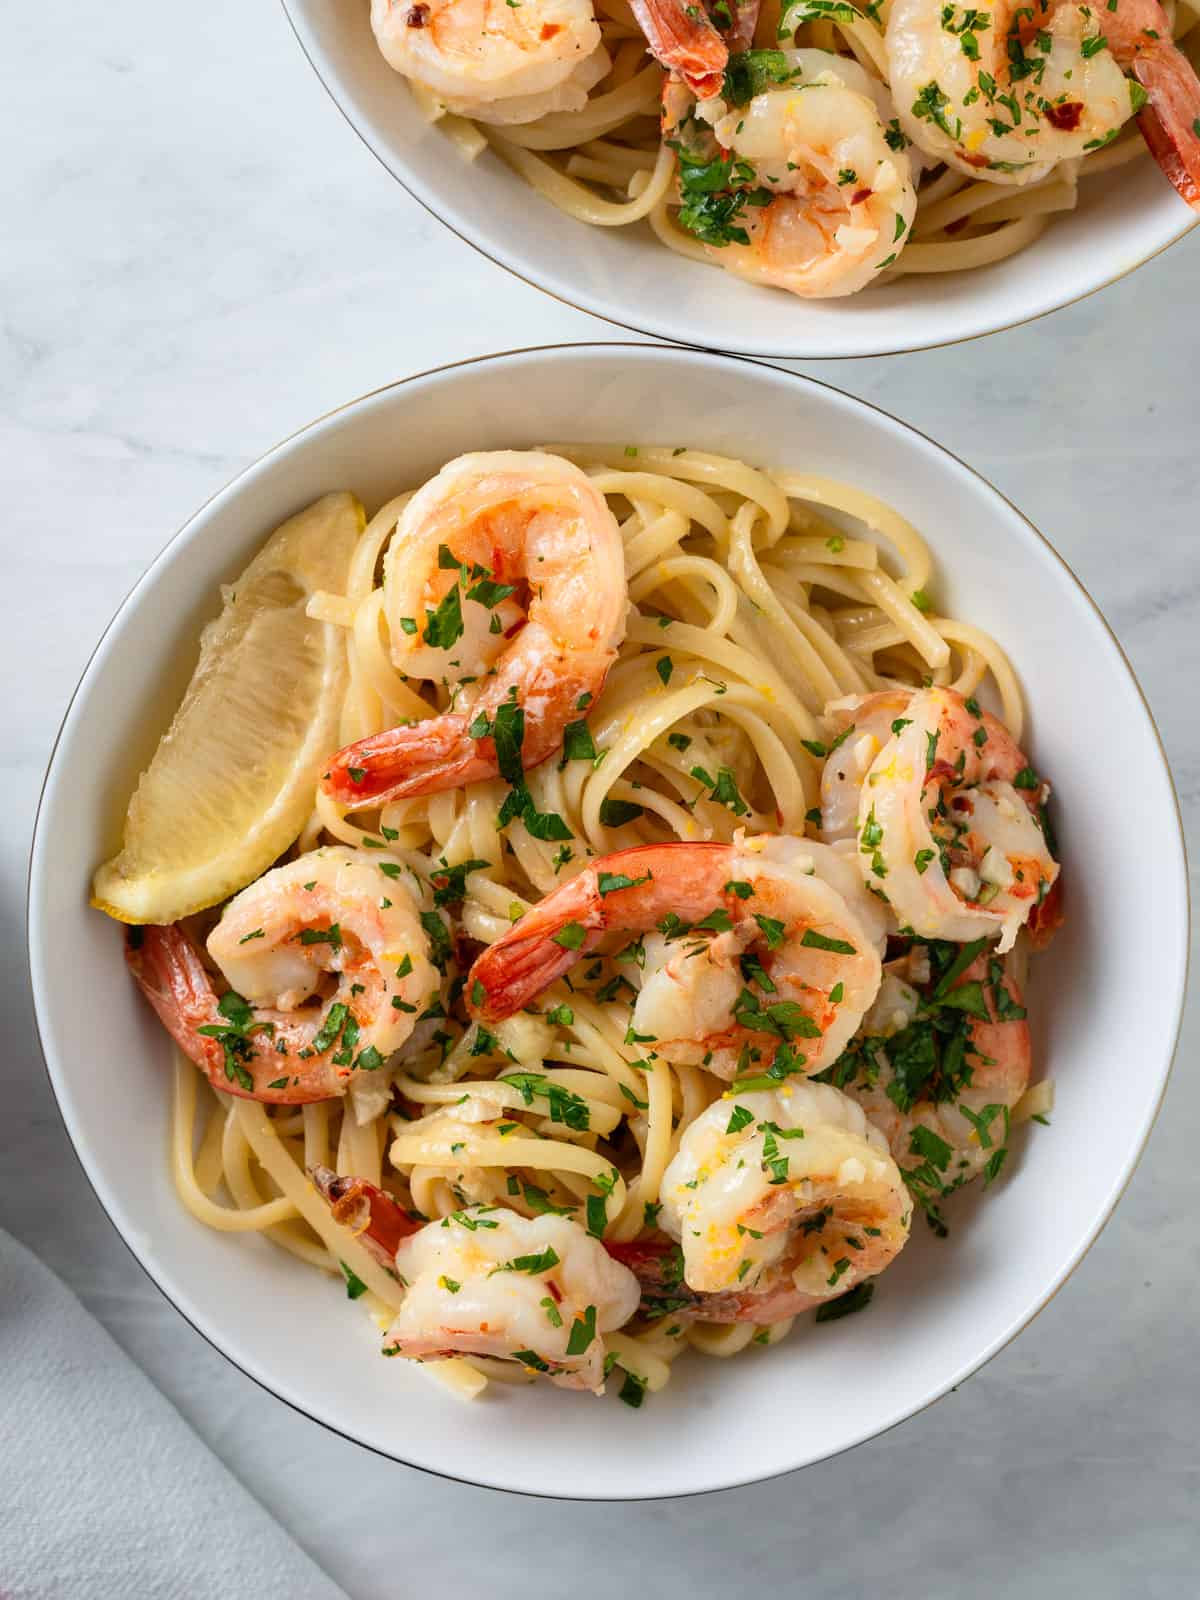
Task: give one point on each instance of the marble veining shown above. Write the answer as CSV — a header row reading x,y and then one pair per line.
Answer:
x,y
200,257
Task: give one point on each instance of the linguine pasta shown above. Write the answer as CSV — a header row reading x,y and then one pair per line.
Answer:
x,y
756,598
609,164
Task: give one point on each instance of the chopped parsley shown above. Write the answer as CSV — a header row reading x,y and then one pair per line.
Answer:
x,y
235,1037
856,1299
773,930
583,1331
610,882
930,106
749,72
450,883
444,627
713,195
534,1265
616,813
813,940
440,947
578,744
633,1390
565,1106
354,1284
739,1118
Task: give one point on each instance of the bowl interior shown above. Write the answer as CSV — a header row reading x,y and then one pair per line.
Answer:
x,y
946,1305
626,276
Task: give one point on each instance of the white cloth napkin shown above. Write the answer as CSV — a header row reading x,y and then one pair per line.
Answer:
x,y
105,1492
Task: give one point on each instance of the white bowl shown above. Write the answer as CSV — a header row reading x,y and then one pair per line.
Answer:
x,y
1116,972
627,277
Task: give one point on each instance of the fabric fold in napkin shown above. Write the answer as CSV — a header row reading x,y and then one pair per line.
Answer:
x,y
105,1491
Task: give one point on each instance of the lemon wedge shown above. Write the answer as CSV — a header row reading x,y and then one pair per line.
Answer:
x,y
231,783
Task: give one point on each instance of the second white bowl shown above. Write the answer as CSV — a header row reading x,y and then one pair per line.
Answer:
x,y
627,277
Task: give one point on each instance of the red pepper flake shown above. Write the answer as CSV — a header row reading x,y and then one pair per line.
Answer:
x,y
549,29
861,196
1067,116
418,17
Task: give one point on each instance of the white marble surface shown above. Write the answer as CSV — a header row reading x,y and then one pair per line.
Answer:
x,y
200,257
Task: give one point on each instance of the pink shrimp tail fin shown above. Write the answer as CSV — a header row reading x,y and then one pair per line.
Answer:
x,y
169,972
645,1258
683,40
1046,919
515,970
1170,122
417,758
745,20
657,1264
380,1222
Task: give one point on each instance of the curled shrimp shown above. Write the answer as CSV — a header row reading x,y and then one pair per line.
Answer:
x,y
381,1223
1008,92
781,1200
865,724
951,822
748,947
941,1061
492,61
485,1281
325,965
506,575
820,200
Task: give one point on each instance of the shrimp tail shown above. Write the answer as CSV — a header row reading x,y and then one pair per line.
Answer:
x,y
167,969
683,39
380,1223
1046,919
745,21
509,975
657,1264
1170,121
414,759
776,1305
568,924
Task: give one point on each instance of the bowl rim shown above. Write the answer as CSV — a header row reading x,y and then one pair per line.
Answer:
x,y
655,332
96,1181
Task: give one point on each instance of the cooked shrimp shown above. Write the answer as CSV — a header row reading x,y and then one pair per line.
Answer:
x,y
694,43
865,726
942,1059
827,203
950,823
1170,121
782,1200
371,1214
506,575
380,1223
537,1290
492,60
1007,93
749,946
326,965
684,39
